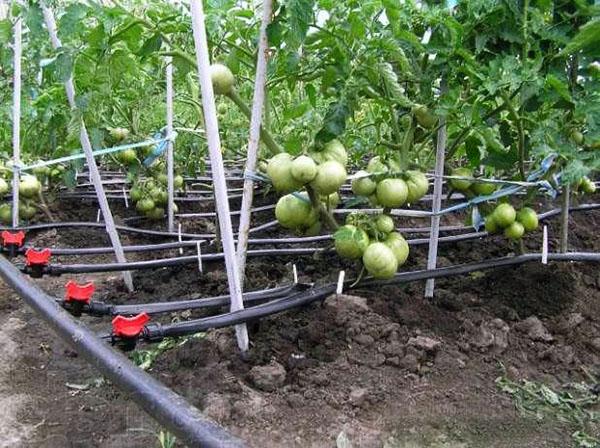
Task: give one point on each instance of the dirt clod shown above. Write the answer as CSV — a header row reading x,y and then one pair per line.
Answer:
x,y
535,329
269,377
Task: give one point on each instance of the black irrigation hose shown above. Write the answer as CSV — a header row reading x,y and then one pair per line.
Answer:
x,y
102,309
168,408
156,331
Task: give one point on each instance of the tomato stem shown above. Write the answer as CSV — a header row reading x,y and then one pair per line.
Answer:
x,y
316,203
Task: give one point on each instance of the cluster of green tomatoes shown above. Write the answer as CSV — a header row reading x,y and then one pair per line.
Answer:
x,y
150,194
514,223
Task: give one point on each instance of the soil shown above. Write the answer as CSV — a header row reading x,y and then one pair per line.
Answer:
x,y
380,367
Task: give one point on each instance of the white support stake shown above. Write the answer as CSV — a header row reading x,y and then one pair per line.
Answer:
x,y
125,198
98,215
199,256
340,282
89,156
179,238
295,272
218,172
170,184
545,246
16,115
254,138
437,203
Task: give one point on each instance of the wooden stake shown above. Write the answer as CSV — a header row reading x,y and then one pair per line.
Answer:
x,y
89,156
437,204
16,115
218,172
254,139
170,185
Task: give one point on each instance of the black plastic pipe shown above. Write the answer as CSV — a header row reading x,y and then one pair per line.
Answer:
x,y
160,402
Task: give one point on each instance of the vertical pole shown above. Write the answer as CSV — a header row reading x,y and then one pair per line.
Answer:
x,y
254,139
170,187
218,172
437,203
16,115
564,219
89,156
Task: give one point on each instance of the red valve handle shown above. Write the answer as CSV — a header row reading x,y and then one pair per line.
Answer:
x,y
13,238
37,257
129,327
79,293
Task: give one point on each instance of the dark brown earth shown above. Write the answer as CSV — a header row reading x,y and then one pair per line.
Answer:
x,y
383,366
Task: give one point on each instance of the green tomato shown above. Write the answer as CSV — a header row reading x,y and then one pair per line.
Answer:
x,y
163,179
144,205
380,261
304,169
222,79
529,218
119,133
504,215
514,231
577,137
385,223
483,188
490,224
6,213
178,182
135,193
279,171
350,242
29,186
332,200
399,246
588,186
221,108
26,210
314,229
331,175
376,165
417,184
424,117
128,157
334,150
392,193
363,186
293,212
459,184
156,213
4,187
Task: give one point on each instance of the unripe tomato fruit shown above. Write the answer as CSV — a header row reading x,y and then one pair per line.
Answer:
x,y
504,215
529,218
380,261
222,79
392,192
331,175
514,231
304,169
385,223
363,186
350,241
461,184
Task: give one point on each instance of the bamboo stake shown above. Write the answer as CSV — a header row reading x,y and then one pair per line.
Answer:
x,y
89,156
16,115
170,186
437,203
254,139
218,172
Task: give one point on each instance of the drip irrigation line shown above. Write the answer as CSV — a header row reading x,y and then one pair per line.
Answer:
x,y
101,309
155,331
168,408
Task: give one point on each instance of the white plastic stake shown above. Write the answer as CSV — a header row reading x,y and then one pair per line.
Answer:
x,y
295,272
218,172
125,198
16,115
89,156
254,138
340,282
170,185
545,246
98,215
179,238
199,256
437,203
